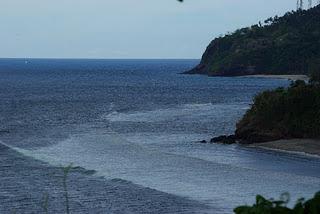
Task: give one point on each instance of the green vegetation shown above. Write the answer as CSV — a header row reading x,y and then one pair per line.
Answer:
x,y
66,171
45,203
283,113
281,45
315,72
264,206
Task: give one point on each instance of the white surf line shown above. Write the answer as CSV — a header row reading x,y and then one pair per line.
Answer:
x,y
163,114
286,151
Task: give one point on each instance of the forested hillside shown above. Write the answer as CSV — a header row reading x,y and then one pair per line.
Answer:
x,y
281,45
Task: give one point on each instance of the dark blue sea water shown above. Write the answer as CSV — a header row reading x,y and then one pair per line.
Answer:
x,y
130,127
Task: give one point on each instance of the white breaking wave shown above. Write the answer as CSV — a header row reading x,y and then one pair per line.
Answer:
x,y
113,157
200,111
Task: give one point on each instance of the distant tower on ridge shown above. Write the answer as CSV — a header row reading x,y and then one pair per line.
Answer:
x,y
300,4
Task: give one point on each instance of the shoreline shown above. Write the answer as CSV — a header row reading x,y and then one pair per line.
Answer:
x,y
271,76
309,147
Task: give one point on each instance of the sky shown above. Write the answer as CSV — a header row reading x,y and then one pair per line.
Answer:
x,y
124,29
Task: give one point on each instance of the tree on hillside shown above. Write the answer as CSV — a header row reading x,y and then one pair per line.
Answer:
x,y
315,72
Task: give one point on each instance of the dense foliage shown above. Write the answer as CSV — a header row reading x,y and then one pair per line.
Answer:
x,y
292,112
281,45
264,206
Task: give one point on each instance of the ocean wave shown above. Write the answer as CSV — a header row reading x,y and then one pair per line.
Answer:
x,y
22,174
290,152
181,111
113,157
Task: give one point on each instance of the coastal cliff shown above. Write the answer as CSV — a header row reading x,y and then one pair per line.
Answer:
x,y
283,113
281,45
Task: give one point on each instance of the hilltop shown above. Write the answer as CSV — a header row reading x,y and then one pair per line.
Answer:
x,y
280,45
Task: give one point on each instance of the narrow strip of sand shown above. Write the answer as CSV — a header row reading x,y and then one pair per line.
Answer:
x,y
303,146
289,77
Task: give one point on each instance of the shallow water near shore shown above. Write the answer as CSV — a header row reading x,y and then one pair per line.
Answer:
x,y
135,123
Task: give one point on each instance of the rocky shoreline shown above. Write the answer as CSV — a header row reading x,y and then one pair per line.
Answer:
x,y
294,145
222,139
236,139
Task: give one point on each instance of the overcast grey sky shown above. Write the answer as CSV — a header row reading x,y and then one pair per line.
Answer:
x,y
124,28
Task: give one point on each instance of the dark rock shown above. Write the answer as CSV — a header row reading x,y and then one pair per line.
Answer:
x,y
218,139
224,139
203,141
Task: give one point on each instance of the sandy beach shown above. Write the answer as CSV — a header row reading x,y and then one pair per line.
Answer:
x,y
289,77
303,146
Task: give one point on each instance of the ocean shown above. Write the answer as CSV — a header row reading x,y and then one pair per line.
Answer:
x,y
130,130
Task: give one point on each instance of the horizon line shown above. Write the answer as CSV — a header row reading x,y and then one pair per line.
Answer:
x,y
89,58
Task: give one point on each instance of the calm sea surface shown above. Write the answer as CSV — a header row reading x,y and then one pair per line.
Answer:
x,y
130,128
